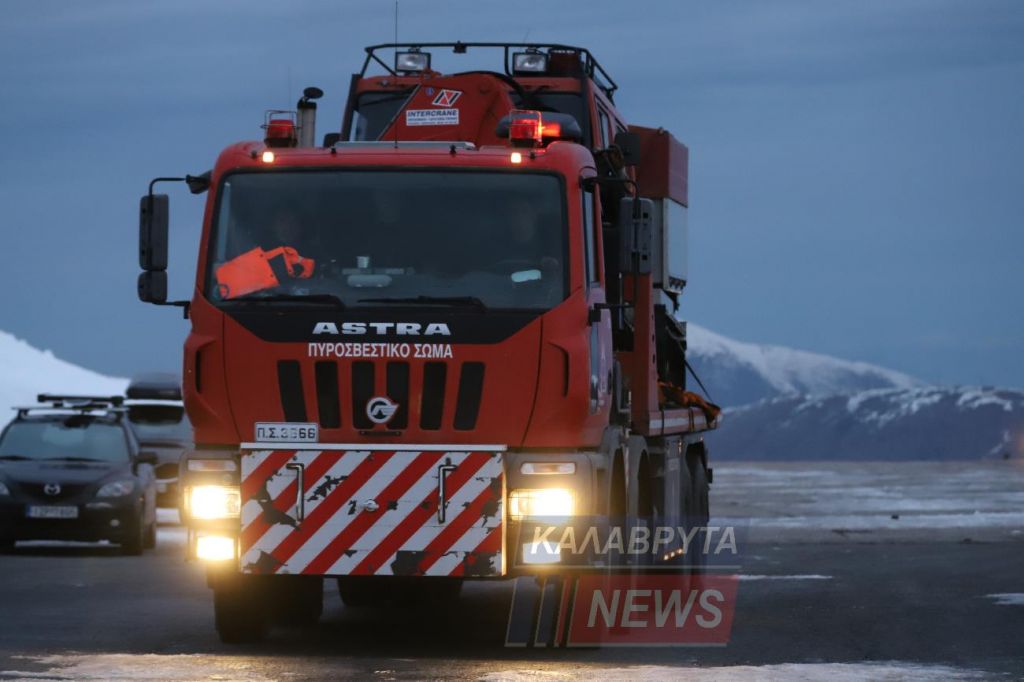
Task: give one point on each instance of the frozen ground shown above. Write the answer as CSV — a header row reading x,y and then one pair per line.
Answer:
x,y
873,501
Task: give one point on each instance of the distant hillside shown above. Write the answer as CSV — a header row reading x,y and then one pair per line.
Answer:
x,y
26,371
738,373
887,424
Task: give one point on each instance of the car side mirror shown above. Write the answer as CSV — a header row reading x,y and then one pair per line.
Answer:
x,y
148,457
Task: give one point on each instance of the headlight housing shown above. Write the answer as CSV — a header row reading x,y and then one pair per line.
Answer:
x,y
4,490
210,502
541,502
117,488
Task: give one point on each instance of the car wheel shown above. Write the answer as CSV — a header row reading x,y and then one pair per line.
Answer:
x,y
239,616
150,540
134,540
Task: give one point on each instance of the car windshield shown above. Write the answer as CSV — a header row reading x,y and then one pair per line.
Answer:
x,y
160,423
353,238
78,437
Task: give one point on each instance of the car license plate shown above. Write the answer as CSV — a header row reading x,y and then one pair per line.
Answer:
x,y
39,512
286,432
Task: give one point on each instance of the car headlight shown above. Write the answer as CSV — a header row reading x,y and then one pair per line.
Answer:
x,y
4,490
213,501
541,502
117,488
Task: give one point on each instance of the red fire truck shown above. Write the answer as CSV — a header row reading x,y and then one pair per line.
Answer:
x,y
453,317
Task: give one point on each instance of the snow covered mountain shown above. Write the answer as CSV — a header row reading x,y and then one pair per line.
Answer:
x,y
26,371
881,424
738,373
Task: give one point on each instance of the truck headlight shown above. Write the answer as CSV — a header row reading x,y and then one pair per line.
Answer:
x,y
215,548
540,502
117,488
213,501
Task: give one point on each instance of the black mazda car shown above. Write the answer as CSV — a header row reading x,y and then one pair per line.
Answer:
x,y
71,469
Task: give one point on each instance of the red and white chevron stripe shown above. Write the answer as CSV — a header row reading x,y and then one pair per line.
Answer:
x,y
372,512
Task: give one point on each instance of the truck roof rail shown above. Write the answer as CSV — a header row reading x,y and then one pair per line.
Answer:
x,y
591,68
78,402
413,144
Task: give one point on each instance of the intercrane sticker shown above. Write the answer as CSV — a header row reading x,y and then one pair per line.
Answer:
x,y
432,117
447,98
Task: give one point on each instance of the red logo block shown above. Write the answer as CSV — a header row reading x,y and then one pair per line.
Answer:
x,y
653,610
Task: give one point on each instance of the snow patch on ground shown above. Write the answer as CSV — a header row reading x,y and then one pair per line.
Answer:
x,y
1008,598
28,371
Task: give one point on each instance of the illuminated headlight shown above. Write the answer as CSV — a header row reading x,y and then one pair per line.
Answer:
x,y
547,468
212,465
117,489
4,490
215,548
541,502
412,62
213,501
529,62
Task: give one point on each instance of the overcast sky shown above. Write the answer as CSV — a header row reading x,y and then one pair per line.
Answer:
x,y
856,167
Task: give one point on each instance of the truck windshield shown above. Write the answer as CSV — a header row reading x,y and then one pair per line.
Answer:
x,y
77,437
366,238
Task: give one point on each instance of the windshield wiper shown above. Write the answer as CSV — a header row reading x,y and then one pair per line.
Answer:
x,y
431,300
319,299
15,457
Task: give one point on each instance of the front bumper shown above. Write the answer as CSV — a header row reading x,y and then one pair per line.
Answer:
x,y
113,521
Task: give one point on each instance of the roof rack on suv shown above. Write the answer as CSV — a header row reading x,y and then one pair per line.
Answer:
x,y
77,403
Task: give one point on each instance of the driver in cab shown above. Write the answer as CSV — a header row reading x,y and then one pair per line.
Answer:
x,y
274,261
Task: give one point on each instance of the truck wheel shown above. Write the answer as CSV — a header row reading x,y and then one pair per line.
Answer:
x,y
296,600
150,540
239,615
698,510
134,540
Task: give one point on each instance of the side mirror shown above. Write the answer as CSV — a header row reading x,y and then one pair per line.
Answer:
x,y
634,227
154,217
148,457
153,286
629,145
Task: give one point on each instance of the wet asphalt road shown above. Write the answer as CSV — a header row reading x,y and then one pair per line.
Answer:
x,y
877,599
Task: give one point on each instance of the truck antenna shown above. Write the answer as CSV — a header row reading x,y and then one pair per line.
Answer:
x,y
394,60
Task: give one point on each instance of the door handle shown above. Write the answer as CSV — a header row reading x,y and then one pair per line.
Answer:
x,y
442,501
300,495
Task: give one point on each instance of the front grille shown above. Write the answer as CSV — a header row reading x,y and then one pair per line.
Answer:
x,y
423,393
36,491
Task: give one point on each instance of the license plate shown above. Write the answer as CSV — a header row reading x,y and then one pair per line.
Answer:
x,y
286,432
36,512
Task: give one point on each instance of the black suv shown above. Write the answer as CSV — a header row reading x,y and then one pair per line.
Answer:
x,y
157,415
72,469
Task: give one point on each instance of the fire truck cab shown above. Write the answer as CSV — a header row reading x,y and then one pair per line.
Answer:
x,y
451,319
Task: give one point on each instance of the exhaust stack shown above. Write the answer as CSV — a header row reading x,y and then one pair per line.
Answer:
x,y
307,116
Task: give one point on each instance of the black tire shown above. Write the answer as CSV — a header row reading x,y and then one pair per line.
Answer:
x,y
296,600
239,615
135,539
149,542
698,508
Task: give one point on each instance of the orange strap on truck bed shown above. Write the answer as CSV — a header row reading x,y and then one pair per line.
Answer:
x,y
252,271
